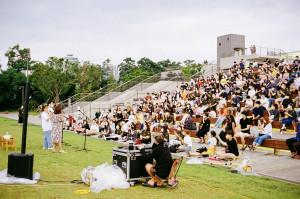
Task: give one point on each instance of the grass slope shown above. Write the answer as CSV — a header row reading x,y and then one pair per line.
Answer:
x,y
57,170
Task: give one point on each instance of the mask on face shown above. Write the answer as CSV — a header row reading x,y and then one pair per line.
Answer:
x,y
178,129
227,137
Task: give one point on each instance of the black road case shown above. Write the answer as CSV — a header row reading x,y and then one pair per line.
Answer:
x,y
131,162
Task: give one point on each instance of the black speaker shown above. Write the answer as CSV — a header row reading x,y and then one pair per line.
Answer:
x,y
20,165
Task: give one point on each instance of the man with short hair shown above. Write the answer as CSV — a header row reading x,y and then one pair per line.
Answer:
x,y
258,112
244,130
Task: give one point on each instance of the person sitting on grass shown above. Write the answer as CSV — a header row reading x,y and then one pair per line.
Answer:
x,y
94,130
164,161
295,151
231,151
211,149
244,130
266,132
186,141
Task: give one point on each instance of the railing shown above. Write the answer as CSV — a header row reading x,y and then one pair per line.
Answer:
x,y
88,97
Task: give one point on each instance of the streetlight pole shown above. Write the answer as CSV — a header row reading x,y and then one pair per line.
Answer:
x,y
22,87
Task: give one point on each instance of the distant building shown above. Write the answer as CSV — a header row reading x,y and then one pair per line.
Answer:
x,y
231,48
230,45
114,70
71,59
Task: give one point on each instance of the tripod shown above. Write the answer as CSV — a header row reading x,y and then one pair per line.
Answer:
x,y
84,148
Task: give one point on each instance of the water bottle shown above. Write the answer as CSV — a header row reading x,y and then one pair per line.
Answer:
x,y
7,133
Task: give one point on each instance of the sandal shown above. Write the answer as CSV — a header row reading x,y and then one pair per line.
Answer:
x,y
145,184
54,151
160,186
62,151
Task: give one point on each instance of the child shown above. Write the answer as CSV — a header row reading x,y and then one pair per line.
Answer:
x,y
211,149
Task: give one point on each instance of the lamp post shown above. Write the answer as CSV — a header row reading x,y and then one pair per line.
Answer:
x,y
22,87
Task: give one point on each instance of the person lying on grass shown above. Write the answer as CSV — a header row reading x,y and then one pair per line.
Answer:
x,y
211,149
231,151
163,165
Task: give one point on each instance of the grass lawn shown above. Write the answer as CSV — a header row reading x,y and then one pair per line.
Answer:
x,y
57,170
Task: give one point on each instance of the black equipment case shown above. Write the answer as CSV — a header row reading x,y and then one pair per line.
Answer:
x,y
131,162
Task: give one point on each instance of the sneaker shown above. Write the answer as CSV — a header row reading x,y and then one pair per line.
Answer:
x,y
44,148
50,148
293,154
297,156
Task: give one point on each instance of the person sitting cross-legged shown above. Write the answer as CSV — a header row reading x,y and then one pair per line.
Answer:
x,y
163,165
231,151
186,141
211,149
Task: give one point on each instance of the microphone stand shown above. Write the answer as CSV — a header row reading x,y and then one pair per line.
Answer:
x,y
84,149
62,133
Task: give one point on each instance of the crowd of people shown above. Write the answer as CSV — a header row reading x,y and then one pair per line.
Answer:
x,y
243,97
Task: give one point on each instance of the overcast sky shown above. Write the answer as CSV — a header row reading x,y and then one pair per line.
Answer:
x,y
95,30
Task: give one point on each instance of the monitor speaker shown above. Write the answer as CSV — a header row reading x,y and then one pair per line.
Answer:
x,y
20,165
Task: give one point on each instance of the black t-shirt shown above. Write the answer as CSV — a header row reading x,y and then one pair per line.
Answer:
x,y
244,123
232,147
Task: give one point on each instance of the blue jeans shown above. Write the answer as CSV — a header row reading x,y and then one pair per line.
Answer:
x,y
47,140
298,113
287,121
185,148
220,121
259,139
271,100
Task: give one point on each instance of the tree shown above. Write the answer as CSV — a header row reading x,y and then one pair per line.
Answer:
x,y
54,78
191,68
168,65
10,82
126,67
17,58
147,64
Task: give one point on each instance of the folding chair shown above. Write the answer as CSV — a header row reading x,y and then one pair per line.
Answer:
x,y
171,180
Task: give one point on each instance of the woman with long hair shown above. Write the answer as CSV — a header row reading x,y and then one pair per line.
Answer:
x,y
266,132
56,133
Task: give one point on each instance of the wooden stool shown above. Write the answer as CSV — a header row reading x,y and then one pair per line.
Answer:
x,y
1,140
12,143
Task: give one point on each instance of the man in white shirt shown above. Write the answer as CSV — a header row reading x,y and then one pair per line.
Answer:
x,y
252,93
264,101
186,142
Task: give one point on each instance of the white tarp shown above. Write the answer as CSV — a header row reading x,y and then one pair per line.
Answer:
x,y
14,180
104,177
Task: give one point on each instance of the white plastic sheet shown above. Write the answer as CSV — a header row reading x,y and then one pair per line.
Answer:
x,y
14,180
104,177
245,168
194,161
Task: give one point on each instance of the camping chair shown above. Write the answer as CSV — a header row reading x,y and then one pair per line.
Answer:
x,y
171,180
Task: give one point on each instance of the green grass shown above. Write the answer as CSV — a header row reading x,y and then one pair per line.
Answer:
x,y
197,181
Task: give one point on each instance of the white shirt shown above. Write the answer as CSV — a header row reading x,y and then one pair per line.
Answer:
x,y
188,140
251,93
212,114
267,130
95,127
212,142
46,125
249,103
266,101
223,101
